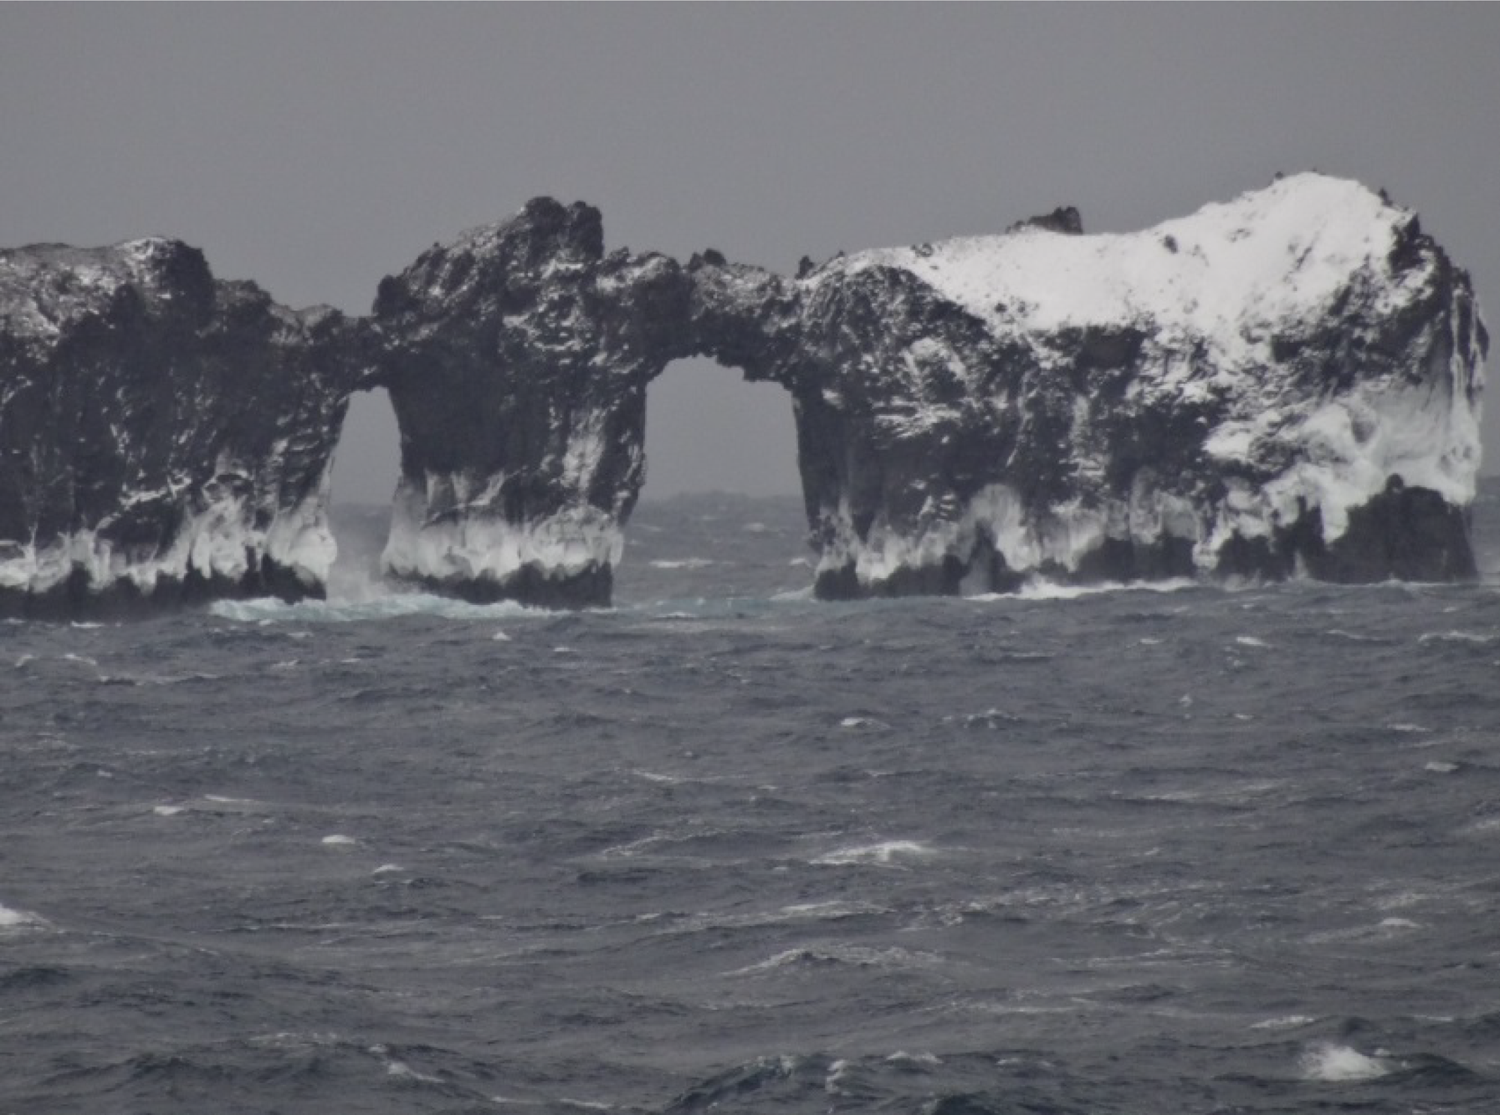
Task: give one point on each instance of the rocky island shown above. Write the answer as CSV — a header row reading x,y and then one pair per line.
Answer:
x,y
1284,384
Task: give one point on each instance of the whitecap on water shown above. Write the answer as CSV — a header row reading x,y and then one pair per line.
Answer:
x,y
1050,590
680,563
1454,636
16,919
339,840
1338,1064
392,606
1285,1022
884,852
858,956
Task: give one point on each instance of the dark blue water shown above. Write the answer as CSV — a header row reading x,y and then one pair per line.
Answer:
x,y
726,848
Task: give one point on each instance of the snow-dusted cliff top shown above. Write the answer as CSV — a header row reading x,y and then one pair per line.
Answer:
x,y
1264,368
1229,272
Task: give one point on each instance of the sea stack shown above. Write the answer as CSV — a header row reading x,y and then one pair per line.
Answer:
x,y
165,437
517,359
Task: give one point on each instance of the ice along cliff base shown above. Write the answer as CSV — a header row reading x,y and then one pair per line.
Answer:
x,y
165,437
1284,384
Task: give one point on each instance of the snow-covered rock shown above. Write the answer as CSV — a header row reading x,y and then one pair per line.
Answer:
x,y
1287,382
164,437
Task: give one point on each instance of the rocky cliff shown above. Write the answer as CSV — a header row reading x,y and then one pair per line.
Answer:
x,y
517,359
165,438
1286,382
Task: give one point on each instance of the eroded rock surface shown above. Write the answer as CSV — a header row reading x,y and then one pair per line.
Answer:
x,y
165,438
517,360
1286,382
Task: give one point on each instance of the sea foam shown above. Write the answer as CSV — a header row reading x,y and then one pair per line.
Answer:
x,y
392,606
1339,1064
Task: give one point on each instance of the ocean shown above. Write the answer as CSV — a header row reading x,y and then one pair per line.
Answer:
x,y
1129,851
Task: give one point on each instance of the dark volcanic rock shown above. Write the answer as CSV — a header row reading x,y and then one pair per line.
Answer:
x,y
164,437
1287,382
517,360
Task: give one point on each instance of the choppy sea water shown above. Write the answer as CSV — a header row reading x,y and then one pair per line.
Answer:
x,y
724,848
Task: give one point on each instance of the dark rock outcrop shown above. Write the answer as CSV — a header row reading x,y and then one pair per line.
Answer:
x,y
1287,382
517,360
165,438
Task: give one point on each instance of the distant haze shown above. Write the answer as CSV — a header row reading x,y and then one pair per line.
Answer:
x,y
316,148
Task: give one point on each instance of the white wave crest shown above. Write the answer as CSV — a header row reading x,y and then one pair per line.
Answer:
x,y
1338,1064
1040,589
394,606
885,852
860,956
1454,637
16,919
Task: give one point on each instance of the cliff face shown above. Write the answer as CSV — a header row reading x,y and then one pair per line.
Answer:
x,y
165,438
1289,381
517,360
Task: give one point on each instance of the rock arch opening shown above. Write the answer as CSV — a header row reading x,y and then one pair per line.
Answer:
x,y
709,430
720,510
366,467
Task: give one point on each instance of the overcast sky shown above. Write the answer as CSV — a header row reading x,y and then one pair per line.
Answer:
x,y
316,148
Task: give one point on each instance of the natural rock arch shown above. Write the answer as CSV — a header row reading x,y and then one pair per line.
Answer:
x,y
958,421
1286,382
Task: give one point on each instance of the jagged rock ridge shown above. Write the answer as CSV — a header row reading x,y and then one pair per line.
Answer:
x,y
164,437
1286,382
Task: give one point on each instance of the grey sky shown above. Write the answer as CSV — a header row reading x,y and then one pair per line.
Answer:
x,y
317,148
